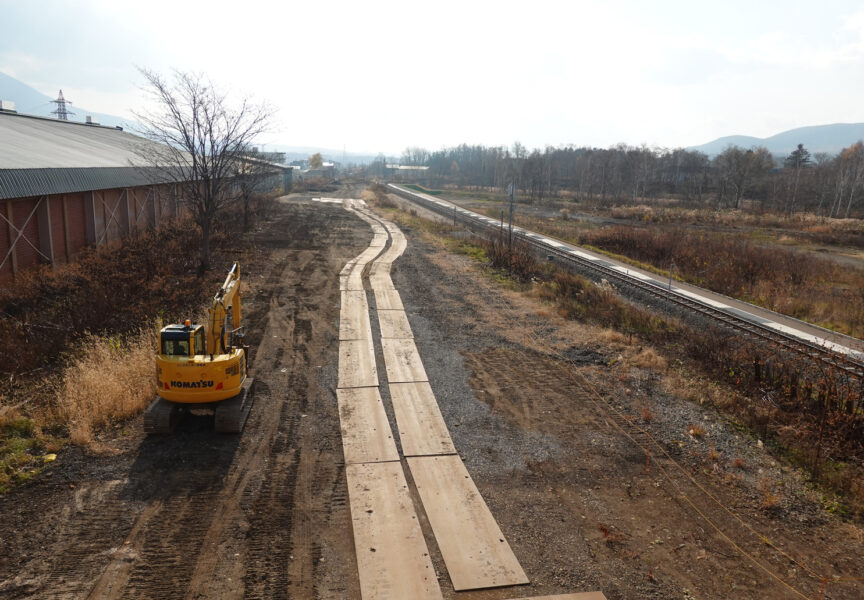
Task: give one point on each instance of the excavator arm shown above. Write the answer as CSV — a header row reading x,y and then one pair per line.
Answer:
x,y
225,314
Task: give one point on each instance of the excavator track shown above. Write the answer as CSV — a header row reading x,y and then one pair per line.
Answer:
x,y
231,414
161,416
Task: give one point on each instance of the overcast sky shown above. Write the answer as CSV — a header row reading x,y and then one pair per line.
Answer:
x,y
379,76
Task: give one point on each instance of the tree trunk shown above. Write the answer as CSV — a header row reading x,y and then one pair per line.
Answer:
x,y
204,266
851,196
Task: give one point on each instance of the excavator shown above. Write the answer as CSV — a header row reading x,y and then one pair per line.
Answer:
x,y
203,369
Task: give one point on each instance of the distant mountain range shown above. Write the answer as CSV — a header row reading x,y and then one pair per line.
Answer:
x,y
817,138
31,102
830,139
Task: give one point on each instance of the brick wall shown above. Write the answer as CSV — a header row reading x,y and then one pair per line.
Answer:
x,y
115,214
58,232
26,251
76,225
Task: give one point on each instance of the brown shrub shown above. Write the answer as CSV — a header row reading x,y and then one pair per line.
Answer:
x,y
798,284
696,430
107,291
768,497
648,358
647,413
516,258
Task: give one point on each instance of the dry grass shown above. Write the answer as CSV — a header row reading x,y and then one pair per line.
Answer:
x,y
806,222
696,431
768,497
648,358
377,195
611,337
110,380
647,413
795,283
517,258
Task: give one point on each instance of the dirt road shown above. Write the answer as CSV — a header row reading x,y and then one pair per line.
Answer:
x,y
264,515
200,515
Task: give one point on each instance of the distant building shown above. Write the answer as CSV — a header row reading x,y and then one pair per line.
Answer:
x,y
273,157
405,173
326,171
66,185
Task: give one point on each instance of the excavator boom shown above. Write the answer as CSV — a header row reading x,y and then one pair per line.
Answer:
x,y
225,313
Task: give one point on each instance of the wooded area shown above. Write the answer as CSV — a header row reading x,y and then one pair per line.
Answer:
x,y
748,179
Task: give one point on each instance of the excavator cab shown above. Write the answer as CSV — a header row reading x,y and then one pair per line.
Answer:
x,y
182,340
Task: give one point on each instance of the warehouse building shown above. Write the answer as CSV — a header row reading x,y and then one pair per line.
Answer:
x,y
66,185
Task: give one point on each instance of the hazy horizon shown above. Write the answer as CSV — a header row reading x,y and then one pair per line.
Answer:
x,y
381,76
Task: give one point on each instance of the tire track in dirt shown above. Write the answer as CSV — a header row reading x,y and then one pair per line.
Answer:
x,y
530,389
290,526
217,569
70,569
173,557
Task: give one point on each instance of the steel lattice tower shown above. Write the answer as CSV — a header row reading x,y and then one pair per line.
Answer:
x,y
61,112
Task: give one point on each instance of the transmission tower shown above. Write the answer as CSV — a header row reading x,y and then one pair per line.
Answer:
x,y
61,112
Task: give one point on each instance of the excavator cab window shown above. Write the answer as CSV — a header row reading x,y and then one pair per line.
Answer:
x,y
175,347
178,340
200,347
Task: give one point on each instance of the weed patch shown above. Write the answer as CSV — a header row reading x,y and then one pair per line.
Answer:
x,y
22,453
780,279
111,379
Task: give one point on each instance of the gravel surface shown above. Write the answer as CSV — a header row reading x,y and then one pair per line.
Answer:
x,y
519,390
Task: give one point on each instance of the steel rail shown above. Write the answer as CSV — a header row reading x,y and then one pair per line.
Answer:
x,y
789,342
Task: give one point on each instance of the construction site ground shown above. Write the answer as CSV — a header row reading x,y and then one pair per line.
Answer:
x,y
547,414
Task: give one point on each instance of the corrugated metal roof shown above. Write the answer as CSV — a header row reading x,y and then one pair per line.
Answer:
x,y
23,183
40,156
28,142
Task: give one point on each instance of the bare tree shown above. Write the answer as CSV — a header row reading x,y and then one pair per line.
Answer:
x,y
201,136
797,160
316,161
851,172
741,167
253,177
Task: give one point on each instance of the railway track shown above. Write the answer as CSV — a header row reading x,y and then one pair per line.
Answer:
x,y
847,360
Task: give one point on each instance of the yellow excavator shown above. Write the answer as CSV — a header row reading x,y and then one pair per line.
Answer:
x,y
203,369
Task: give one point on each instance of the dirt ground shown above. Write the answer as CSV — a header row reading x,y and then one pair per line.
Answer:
x,y
541,410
